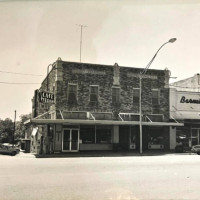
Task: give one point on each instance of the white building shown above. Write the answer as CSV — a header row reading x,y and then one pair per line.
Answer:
x,y
185,108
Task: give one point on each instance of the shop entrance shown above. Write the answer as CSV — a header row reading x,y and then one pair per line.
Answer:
x,y
70,140
195,136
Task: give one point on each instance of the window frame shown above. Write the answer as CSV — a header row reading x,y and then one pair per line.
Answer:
x,y
116,103
136,103
68,92
158,92
92,93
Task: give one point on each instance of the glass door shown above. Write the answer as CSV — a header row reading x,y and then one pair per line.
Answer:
x,y
195,136
66,140
74,140
70,140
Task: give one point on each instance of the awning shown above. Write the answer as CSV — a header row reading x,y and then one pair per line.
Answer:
x,y
99,122
186,115
34,131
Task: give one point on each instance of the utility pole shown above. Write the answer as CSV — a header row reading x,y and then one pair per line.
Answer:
x,y
13,136
81,26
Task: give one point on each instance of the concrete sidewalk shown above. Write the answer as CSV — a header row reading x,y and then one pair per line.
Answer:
x,y
107,154
22,154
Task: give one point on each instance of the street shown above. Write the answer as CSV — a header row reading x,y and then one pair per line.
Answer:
x,y
170,176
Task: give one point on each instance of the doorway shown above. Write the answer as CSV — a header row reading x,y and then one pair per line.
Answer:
x,y
195,136
70,140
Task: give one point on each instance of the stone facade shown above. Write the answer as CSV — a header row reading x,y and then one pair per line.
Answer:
x,y
82,117
85,75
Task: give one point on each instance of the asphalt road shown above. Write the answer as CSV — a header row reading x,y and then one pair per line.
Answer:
x,y
166,177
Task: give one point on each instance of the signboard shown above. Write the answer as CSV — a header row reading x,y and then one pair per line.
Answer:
x,y
46,97
189,100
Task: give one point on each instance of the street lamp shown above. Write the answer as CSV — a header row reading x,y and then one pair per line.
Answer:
x,y
172,40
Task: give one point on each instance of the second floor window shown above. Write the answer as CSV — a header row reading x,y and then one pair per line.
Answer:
x,y
115,95
136,96
155,97
72,93
94,93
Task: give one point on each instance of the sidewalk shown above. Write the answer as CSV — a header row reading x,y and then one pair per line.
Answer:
x,y
22,154
107,154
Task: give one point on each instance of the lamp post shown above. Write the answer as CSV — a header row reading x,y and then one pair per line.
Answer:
x,y
172,40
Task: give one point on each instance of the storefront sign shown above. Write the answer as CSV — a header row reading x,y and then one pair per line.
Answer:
x,y
46,97
184,100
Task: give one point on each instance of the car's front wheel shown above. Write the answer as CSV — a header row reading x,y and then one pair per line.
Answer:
x,y
13,153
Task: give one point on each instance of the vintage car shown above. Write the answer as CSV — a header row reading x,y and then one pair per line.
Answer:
x,y
196,149
10,149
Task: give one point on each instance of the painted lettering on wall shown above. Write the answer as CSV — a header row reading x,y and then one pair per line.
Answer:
x,y
184,100
46,97
88,71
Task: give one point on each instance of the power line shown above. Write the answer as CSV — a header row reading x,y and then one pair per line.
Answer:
x,y
18,83
20,73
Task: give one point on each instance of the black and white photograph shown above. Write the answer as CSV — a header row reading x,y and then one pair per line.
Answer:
x,y
100,100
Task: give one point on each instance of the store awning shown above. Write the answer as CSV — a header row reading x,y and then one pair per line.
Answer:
x,y
181,115
99,122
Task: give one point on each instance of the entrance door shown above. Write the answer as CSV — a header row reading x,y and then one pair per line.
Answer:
x,y
195,136
70,140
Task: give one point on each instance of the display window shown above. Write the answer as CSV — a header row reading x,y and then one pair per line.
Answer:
x,y
183,136
155,136
95,134
103,135
87,134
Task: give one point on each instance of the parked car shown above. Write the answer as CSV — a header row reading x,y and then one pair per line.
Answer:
x,y
10,149
196,149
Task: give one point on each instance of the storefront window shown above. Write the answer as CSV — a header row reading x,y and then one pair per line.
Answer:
x,y
155,136
87,134
103,135
195,136
133,138
183,136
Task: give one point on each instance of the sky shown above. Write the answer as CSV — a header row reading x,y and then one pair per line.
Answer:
x,y
34,34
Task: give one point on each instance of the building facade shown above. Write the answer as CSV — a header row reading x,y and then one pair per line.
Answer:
x,y
185,108
83,107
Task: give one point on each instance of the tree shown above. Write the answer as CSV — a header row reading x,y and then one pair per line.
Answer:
x,y
20,127
6,130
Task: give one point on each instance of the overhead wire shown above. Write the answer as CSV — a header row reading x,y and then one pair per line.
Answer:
x,y
16,73
20,73
18,83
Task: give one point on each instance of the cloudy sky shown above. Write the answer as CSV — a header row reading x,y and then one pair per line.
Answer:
x,y
34,34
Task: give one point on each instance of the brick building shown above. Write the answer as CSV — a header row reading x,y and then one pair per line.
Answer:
x,y
82,107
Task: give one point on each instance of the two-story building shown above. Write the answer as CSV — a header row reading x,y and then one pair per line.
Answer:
x,y
83,107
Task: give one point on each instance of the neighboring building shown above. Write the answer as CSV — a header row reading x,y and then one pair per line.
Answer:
x,y
185,108
81,107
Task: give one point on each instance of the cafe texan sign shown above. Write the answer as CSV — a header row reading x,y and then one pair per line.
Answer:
x,y
46,97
